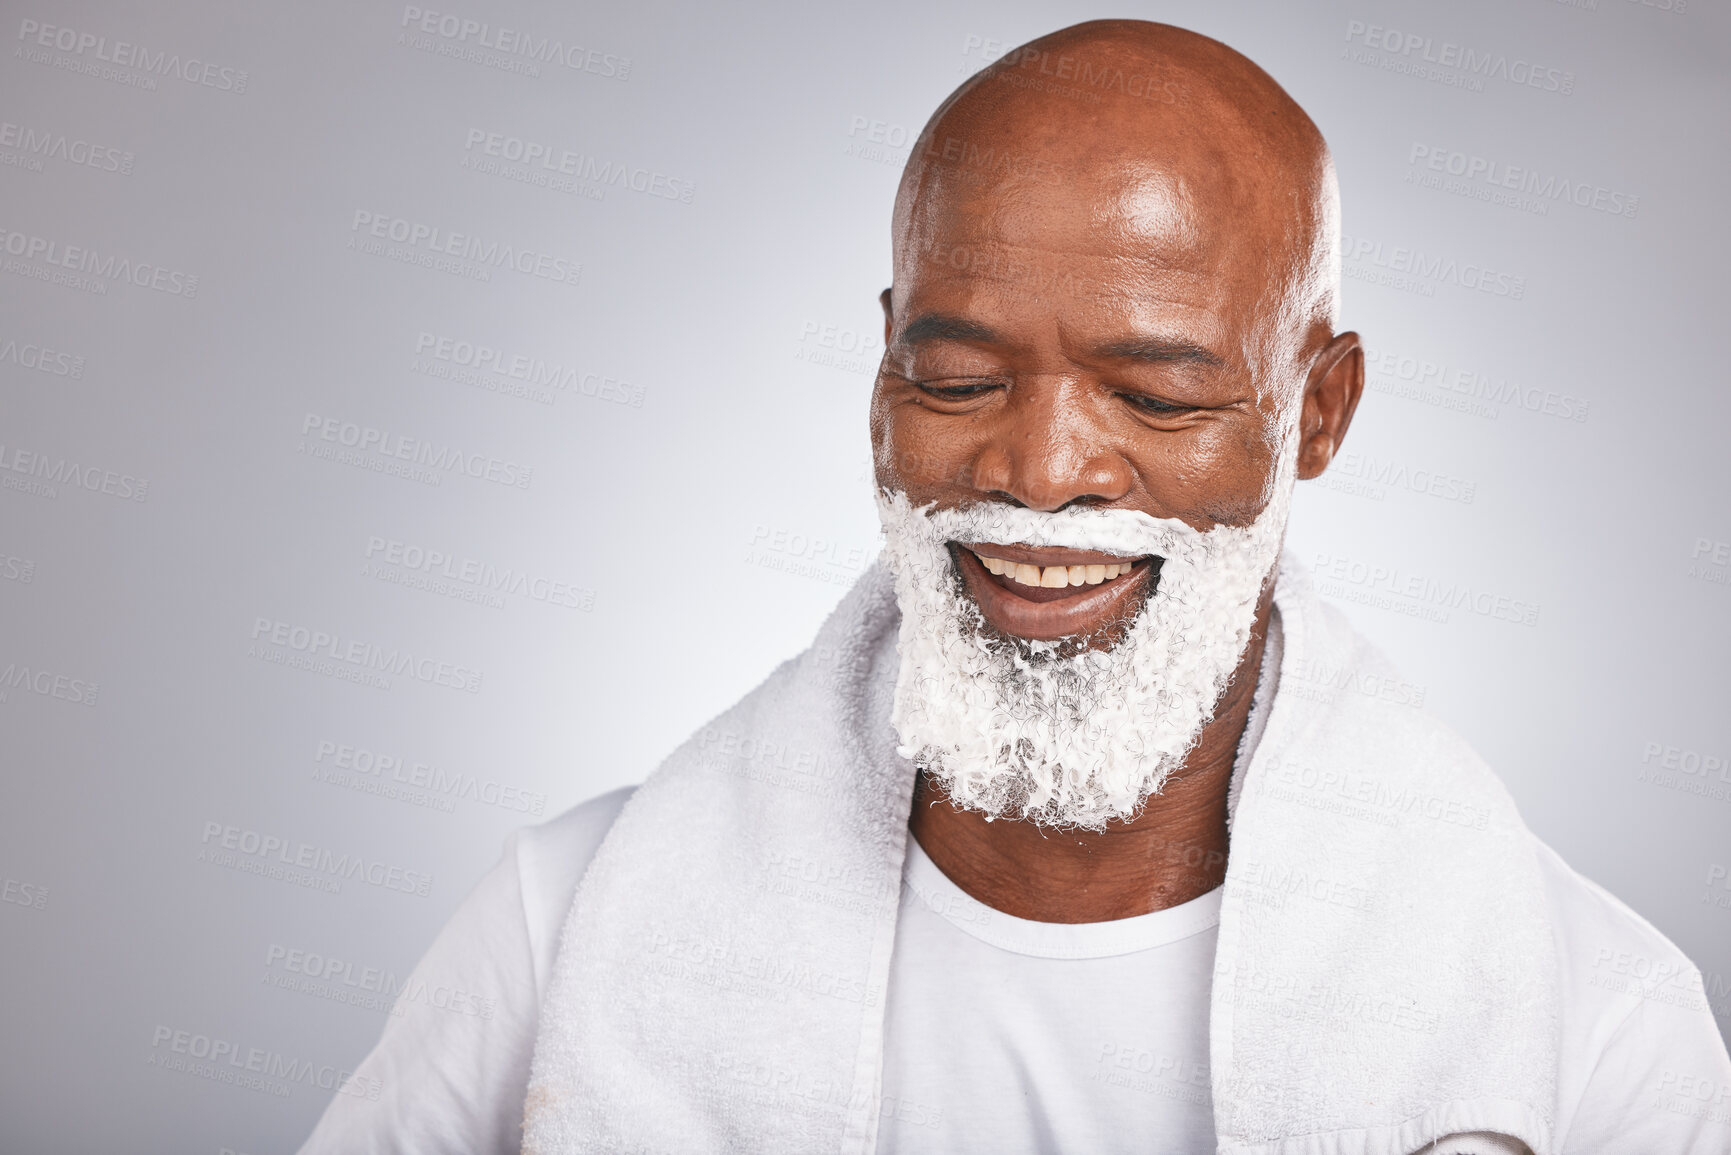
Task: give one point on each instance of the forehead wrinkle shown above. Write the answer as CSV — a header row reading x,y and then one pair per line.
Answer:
x,y
1104,258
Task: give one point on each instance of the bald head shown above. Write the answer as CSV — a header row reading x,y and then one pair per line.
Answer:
x,y
1148,139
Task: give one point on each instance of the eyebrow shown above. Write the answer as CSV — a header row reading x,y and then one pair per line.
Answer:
x,y
1157,351
1149,350
939,327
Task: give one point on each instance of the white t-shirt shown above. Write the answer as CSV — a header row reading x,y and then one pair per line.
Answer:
x,y
1004,1035
1643,1069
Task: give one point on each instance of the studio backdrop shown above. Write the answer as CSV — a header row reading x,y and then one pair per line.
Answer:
x,y
416,420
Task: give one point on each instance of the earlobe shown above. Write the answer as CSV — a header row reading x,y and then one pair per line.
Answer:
x,y
1314,455
884,300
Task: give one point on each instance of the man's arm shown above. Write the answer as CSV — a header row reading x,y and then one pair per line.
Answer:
x,y
1644,1068
453,1066
1662,1084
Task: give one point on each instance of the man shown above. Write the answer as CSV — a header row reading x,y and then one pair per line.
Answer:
x,y
1155,899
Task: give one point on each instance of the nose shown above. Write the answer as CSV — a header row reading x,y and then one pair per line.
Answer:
x,y
1047,451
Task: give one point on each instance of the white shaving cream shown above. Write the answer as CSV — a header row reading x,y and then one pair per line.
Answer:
x,y
1052,731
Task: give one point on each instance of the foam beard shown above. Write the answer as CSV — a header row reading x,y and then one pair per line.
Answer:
x,y
1055,732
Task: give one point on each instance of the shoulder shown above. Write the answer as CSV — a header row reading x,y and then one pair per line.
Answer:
x,y
550,860
565,844
1593,922
1613,961
453,1062
1639,1042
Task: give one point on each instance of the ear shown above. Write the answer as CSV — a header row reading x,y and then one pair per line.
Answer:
x,y
1330,397
884,300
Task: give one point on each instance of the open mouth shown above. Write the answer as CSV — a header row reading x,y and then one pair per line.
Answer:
x,y
1053,577
1049,593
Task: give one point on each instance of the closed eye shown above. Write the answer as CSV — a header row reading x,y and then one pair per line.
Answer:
x,y
951,389
1154,405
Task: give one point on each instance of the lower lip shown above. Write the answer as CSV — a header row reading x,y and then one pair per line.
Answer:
x,y
1043,614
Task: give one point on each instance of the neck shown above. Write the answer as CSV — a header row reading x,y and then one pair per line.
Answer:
x,y
1170,853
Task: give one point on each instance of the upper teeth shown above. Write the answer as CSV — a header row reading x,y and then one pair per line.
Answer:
x,y
1054,577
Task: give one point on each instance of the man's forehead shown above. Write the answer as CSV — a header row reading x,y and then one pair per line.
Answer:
x,y
1093,228
1133,210
1154,267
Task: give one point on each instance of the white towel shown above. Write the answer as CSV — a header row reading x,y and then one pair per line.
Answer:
x,y
1384,976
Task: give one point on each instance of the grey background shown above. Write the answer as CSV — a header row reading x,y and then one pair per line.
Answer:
x,y
699,487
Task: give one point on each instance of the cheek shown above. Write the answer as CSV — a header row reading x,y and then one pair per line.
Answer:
x,y
923,453
888,437
1219,475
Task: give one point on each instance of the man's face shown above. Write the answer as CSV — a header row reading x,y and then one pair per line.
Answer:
x,y
1100,379
1082,340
